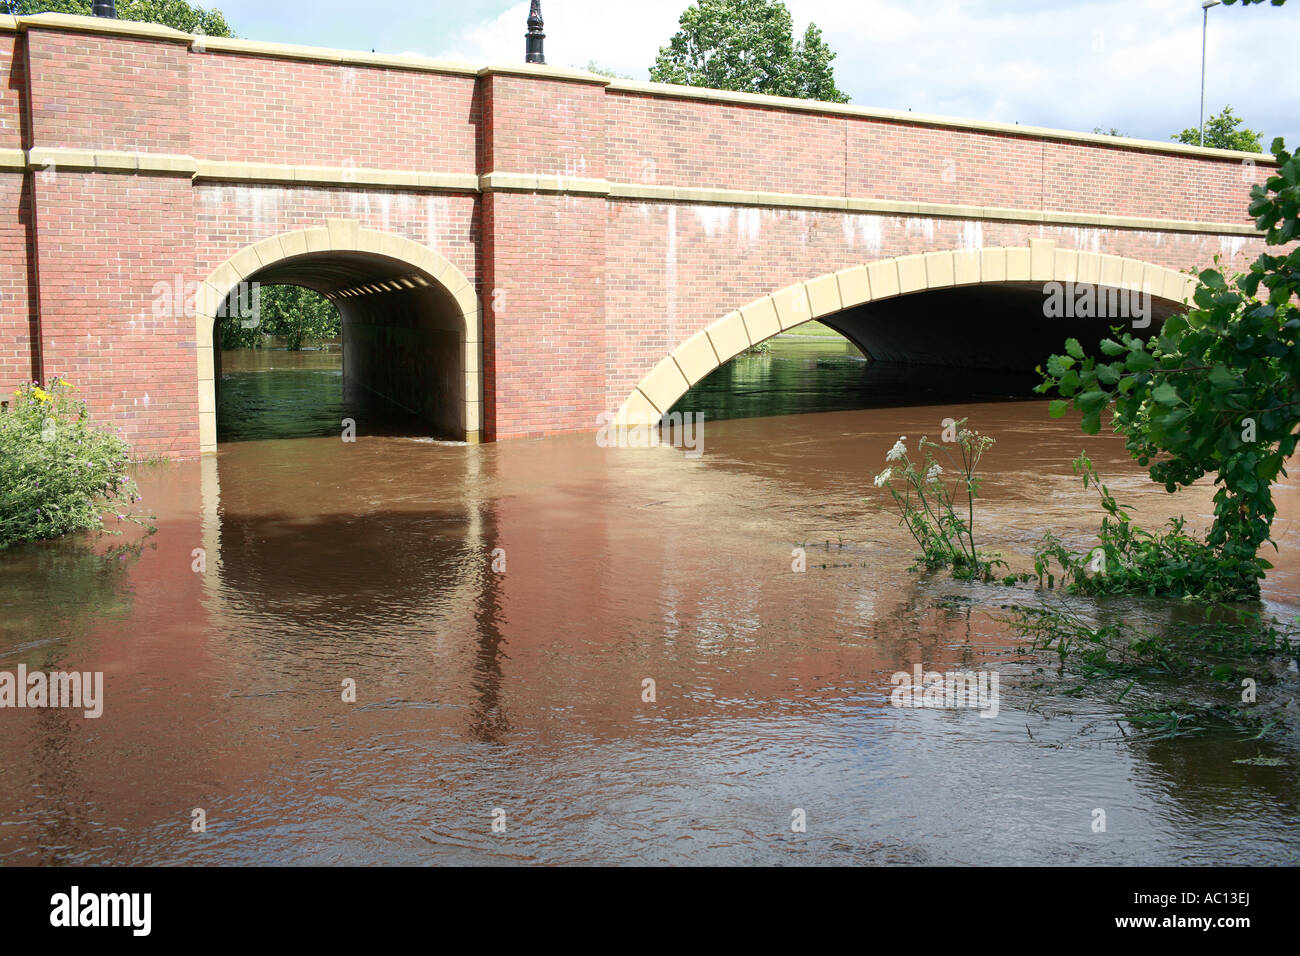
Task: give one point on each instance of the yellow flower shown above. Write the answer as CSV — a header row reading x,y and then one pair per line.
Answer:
x,y
41,394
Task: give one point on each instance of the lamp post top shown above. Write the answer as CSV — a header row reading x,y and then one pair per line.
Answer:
x,y
533,52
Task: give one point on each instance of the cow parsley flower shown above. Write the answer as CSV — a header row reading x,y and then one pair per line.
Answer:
x,y
898,451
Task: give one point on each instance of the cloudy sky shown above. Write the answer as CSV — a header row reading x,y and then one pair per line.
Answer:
x,y
1071,64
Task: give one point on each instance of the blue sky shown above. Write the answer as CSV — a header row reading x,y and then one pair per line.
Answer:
x,y
1072,64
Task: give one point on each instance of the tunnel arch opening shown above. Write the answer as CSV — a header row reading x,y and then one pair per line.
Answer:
x,y
968,296
410,320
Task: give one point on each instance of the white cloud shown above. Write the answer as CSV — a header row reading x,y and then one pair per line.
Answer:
x,y
1073,64
618,36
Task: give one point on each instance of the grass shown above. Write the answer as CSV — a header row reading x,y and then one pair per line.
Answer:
x,y
813,328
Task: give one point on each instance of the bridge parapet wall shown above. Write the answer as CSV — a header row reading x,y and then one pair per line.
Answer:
x,y
710,140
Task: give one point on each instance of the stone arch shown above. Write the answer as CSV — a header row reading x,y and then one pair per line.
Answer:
x,y
343,237
835,292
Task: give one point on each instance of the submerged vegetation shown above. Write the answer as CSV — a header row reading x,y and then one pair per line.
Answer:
x,y
939,511
1131,560
1193,676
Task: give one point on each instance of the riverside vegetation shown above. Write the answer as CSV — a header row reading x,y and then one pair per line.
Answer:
x,y
1216,392
59,472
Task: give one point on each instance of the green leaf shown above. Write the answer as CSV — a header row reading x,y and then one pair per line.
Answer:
x,y
1212,280
1057,365
1073,347
1165,394
1221,378
1139,361
1057,408
1093,401
1174,326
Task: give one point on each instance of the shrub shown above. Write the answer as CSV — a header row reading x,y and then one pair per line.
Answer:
x,y
58,471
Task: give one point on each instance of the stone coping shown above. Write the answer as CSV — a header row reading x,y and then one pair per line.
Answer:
x,y
79,24
233,45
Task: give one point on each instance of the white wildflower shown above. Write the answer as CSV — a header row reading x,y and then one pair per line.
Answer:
x,y
898,451
883,477
934,473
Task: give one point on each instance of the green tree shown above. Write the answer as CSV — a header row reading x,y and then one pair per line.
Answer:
x,y
1221,132
1108,132
1217,391
176,14
748,46
291,312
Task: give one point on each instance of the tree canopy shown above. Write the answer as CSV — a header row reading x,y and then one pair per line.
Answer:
x,y
1224,131
293,313
176,14
748,46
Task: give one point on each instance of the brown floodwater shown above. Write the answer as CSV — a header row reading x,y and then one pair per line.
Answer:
x,y
499,608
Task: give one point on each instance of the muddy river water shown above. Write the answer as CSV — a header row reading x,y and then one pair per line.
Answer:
x,y
499,609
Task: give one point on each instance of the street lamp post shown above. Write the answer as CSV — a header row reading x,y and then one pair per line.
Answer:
x,y
1205,26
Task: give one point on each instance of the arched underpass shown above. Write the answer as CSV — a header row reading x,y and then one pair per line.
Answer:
x,y
410,323
1002,328
967,324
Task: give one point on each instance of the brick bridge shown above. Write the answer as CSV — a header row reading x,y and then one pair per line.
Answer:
x,y
517,249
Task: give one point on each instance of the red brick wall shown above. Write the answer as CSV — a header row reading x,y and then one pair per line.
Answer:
x,y
230,216
91,91
104,241
18,359
544,127
13,67
545,276
543,260
590,292
261,110
674,142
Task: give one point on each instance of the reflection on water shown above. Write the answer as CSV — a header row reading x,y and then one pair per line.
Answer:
x,y
521,687
800,374
276,393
